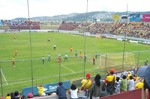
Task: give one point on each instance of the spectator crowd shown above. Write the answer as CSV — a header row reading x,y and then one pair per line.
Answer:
x,y
93,88
132,29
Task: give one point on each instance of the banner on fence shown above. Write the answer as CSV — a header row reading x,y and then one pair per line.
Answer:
x,y
50,88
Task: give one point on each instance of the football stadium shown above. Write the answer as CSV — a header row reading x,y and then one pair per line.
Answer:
x,y
37,53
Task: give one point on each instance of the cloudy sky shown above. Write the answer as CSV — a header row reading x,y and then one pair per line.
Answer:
x,y
10,9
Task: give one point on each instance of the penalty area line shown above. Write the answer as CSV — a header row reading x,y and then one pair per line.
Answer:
x,y
68,69
4,77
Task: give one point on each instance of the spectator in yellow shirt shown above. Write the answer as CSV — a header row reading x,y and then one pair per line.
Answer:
x,y
41,90
110,77
8,96
128,76
110,82
86,83
139,85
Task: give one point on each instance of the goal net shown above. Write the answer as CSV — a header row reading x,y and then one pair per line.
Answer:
x,y
117,61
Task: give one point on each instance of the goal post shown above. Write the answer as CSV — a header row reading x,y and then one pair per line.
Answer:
x,y
115,60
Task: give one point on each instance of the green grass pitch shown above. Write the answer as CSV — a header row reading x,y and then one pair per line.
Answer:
x,y
29,65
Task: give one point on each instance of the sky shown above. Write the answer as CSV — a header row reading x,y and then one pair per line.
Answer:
x,y
10,9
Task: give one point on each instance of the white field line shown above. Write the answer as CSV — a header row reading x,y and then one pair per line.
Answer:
x,y
68,68
73,72
40,78
45,77
36,79
4,77
73,63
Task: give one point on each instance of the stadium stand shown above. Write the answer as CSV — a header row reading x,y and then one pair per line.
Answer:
x,y
68,26
25,25
132,29
20,24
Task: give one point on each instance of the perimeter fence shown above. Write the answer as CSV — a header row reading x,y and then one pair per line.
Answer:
x,y
32,72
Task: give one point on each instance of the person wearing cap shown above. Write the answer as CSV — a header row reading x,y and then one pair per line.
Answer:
x,y
30,95
110,82
61,91
110,77
86,83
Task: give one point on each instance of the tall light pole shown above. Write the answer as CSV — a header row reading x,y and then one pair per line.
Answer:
x,y
124,45
28,9
85,37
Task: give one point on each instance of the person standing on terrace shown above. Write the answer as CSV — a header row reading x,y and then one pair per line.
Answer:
x,y
124,83
73,91
61,91
86,84
96,89
110,82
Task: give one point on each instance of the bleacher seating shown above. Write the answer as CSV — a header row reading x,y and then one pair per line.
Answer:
x,y
25,25
20,24
68,26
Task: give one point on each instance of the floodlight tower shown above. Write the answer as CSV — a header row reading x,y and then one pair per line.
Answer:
x,y
28,9
125,36
85,36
